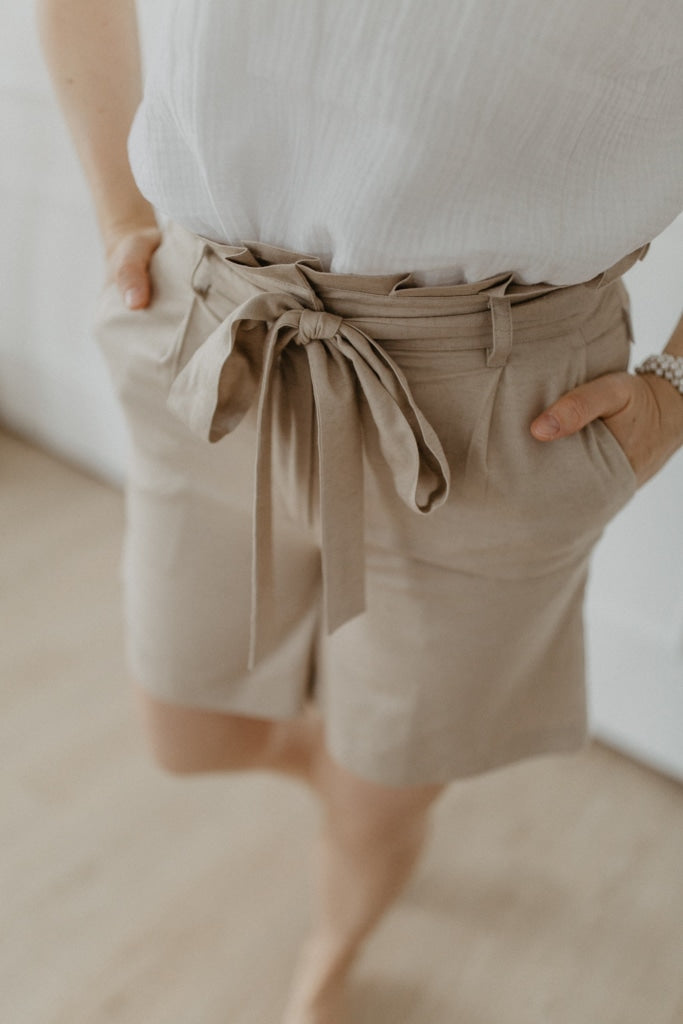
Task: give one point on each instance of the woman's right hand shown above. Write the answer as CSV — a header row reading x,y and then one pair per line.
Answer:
x,y
92,52
128,253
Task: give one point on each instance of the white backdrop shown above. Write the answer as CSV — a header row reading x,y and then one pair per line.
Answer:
x,y
54,389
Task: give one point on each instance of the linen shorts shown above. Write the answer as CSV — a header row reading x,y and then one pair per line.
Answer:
x,y
332,494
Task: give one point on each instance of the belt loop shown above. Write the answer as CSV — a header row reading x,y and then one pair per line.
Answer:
x,y
201,274
644,251
626,308
619,268
501,318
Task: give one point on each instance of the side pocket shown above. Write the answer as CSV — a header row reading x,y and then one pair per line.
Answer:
x,y
546,503
206,308
106,302
615,456
140,345
111,327
609,352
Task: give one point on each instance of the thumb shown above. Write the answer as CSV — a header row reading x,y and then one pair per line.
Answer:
x,y
134,284
603,396
130,260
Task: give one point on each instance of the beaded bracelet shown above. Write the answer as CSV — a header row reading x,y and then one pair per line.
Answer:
x,y
664,365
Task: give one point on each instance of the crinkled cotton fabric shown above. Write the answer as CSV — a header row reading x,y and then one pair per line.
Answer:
x,y
457,140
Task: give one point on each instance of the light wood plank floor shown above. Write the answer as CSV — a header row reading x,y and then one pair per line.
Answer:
x,y
550,893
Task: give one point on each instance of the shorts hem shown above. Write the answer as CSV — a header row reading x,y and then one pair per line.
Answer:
x,y
207,697
571,739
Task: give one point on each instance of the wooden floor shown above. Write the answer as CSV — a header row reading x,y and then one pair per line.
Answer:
x,y
551,892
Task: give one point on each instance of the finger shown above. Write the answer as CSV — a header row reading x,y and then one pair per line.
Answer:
x,y
602,396
134,284
132,272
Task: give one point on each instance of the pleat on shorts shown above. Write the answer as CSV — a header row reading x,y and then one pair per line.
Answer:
x,y
332,494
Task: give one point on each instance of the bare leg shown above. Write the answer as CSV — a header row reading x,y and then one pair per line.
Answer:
x,y
370,841
187,740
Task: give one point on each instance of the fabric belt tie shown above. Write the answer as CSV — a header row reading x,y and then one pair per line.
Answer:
x,y
234,366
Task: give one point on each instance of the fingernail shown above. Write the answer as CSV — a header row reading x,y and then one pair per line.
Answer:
x,y
132,297
547,426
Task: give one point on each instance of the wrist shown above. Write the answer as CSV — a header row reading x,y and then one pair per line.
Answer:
x,y
139,216
670,405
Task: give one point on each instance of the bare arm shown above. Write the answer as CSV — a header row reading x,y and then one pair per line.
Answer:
x,y
644,412
91,49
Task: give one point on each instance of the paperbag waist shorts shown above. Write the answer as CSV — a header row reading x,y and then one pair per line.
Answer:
x,y
332,494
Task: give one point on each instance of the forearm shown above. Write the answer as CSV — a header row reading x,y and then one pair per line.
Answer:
x,y
670,398
92,52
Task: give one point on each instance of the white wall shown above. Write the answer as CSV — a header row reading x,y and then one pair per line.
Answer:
x,y
635,598
53,383
55,390
54,386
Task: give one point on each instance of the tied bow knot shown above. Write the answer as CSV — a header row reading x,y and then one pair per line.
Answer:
x,y
317,325
232,366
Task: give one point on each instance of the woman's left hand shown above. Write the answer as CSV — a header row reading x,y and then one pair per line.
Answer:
x,y
643,411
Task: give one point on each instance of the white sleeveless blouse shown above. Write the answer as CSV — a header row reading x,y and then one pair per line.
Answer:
x,y
455,138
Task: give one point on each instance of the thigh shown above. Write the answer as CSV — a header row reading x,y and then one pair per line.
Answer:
x,y
185,739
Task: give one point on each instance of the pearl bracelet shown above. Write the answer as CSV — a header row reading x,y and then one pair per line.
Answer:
x,y
664,365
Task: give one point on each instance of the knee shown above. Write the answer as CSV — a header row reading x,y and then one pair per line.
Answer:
x,y
360,813
191,741
169,753
379,824
177,757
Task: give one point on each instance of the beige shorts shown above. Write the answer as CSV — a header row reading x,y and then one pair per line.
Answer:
x,y
332,493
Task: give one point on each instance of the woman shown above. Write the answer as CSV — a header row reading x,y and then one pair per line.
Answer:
x,y
393,285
